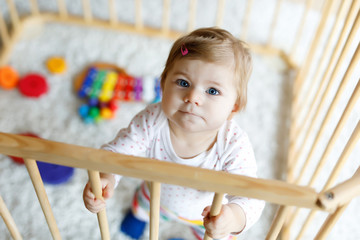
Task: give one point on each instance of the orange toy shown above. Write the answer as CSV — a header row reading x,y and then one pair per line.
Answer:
x,y
9,78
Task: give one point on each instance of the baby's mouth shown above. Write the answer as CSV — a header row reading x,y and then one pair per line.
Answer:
x,y
189,113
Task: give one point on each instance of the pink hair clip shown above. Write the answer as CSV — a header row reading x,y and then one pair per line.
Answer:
x,y
184,50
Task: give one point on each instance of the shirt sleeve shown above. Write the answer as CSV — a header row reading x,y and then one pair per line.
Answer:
x,y
241,160
136,138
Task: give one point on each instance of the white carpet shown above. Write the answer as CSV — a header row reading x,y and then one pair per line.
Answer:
x,y
54,116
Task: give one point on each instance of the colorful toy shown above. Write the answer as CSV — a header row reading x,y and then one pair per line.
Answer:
x,y
54,174
8,77
132,226
56,65
157,91
102,85
33,85
138,89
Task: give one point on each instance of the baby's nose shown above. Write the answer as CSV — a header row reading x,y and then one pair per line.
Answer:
x,y
193,96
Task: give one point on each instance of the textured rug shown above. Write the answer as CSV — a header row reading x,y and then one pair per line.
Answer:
x,y
54,116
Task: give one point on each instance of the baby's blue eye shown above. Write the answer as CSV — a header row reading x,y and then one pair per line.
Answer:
x,y
183,83
212,91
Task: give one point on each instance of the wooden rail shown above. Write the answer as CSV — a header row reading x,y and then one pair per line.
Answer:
x,y
273,191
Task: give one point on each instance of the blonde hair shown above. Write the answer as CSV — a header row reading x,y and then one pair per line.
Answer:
x,y
217,46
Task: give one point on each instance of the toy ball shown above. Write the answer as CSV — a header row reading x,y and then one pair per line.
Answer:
x,y
9,78
106,113
84,110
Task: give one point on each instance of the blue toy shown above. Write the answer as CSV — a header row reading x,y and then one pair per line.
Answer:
x,y
157,91
132,226
54,174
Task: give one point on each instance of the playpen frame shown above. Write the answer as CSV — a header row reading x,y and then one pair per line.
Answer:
x,y
286,194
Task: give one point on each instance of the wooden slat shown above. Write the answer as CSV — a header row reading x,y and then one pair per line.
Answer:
x,y
324,57
112,12
14,15
153,32
96,187
274,22
120,26
138,15
330,223
350,146
330,72
165,17
246,19
220,13
323,125
354,8
152,170
300,30
34,7
62,9
192,15
87,11
328,79
340,197
9,221
38,184
303,72
215,209
123,27
302,76
306,224
309,60
313,120
278,222
345,191
154,210
334,137
9,42
4,32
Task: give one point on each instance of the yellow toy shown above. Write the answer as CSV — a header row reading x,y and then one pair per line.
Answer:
x,y
56,65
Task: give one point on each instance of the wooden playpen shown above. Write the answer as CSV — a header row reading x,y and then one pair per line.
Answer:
x,y
291,195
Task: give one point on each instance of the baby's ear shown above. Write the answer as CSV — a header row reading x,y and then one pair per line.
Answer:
x,y
236,108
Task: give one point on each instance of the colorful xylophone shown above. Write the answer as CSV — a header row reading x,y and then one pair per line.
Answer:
x,y
102,85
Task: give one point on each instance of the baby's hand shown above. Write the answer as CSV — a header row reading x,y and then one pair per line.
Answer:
x,y
93,204
230,220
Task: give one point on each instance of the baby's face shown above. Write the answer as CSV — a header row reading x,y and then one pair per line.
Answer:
x,y
198,95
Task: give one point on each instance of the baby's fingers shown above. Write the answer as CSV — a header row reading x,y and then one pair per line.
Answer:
x,y
96,206
206,211
108,192
87,193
